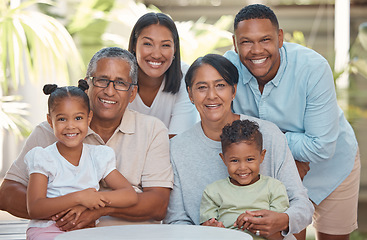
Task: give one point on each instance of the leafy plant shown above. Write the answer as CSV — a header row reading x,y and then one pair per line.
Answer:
x,y
115,19
33,46
11,115
358,52
199,38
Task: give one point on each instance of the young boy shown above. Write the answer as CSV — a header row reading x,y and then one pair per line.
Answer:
x,y
228,200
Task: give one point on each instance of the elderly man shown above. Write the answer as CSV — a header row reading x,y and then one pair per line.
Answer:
x,y
140,142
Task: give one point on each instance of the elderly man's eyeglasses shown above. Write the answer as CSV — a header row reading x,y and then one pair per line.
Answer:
x,y
117,84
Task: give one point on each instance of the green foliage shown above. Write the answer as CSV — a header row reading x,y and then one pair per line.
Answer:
x,y
199,38
296,37
33,46
11,115
88,13
100,23
356,235
88,25
358,53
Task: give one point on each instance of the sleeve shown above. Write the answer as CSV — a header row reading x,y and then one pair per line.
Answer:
x,y
279,158
300,209
38,161
157,170
321,121
279,199
176,213
40,136
184,114
208,207
105,159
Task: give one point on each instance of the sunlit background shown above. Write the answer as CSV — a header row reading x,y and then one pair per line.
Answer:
x,y
52,42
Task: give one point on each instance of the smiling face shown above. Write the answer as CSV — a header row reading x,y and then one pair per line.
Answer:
x,y
257,43
243,161
211,94
109,104
69,119
154,50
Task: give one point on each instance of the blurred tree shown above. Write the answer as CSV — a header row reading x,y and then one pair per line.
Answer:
x,y
33,46
101,23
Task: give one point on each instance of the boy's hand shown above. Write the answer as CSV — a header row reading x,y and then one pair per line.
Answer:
x,y
241,221
213,223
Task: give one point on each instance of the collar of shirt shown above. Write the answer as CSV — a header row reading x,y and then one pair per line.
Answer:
x,y
126,126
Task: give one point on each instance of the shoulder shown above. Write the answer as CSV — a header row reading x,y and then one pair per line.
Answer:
x,y
43,130
219,184
265,126
185,138
35,151
271,182
183,147
98,149
270,179
231,55
45,127
145,122
40,155
101,155
298,53
184,67
42,135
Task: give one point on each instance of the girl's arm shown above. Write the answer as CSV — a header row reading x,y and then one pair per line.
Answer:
x,y
123,194
41,207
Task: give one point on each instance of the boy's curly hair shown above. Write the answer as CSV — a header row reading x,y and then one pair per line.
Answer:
x,y
241,130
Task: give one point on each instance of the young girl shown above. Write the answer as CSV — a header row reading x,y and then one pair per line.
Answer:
x,y
66,174
155,42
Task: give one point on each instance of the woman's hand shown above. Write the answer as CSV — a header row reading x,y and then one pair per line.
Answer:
x,y
265,222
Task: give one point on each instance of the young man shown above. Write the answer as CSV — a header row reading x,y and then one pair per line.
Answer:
x,y
140,142
293,87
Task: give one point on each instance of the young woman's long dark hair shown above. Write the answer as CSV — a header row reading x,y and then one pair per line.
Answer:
x,y
173,73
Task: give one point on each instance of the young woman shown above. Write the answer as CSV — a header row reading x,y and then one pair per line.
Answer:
x,y
155,42
64,177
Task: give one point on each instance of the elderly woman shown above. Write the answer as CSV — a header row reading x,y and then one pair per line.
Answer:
x,y
211,83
